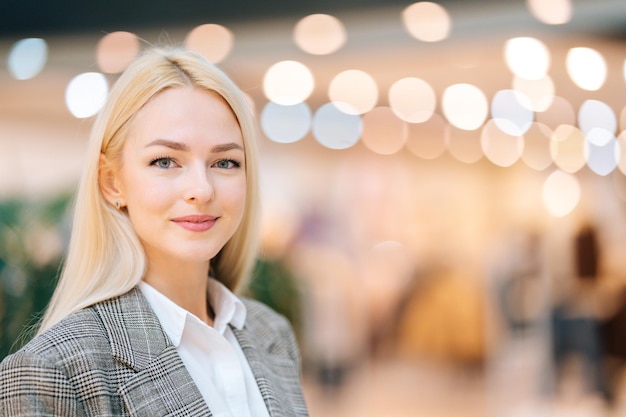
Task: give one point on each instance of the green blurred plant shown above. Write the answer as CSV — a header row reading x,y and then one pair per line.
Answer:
x,y
274,285
32,241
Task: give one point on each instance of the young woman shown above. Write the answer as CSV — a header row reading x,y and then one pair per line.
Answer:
x,y
144,321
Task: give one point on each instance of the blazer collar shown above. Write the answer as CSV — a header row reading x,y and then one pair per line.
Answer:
x,y
134,331
160,383
138,341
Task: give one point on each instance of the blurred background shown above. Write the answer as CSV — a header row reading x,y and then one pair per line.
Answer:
x,y
444,186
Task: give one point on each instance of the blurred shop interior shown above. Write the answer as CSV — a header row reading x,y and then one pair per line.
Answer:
x,y
444,186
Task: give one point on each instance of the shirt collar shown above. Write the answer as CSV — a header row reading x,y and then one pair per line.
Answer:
x,y
227,307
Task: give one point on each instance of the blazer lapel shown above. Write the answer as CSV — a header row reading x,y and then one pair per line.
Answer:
x,y
256,353
156,381
164,387
270,348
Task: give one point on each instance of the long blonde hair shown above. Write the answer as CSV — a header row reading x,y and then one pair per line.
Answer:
x,y
105,258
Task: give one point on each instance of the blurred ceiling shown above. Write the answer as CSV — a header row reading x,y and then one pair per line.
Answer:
x,y
41,18
65,16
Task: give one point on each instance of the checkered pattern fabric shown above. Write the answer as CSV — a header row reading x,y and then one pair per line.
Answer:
x,y
113,359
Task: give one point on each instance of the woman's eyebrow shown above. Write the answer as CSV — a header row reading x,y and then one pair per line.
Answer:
x,y
178,146
169,143
226,147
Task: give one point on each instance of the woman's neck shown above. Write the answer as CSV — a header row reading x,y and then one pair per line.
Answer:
x,y
184,284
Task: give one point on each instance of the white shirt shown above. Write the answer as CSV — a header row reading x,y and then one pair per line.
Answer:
x,y
212,355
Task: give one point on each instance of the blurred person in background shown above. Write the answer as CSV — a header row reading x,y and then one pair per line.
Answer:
x,y
577,344
144,320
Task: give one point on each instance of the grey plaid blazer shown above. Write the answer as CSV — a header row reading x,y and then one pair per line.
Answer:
x,y
114,359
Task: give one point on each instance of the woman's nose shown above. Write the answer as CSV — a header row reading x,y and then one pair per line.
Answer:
x,y
198,187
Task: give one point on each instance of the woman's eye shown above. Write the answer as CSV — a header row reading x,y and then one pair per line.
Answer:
x,y
227,164
164,163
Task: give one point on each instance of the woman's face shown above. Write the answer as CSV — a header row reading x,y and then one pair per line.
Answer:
x,y
182,176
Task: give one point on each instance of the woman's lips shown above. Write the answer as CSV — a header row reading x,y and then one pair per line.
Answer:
x,y
196,222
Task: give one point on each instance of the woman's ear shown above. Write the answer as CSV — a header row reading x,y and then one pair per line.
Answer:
x,y
109,183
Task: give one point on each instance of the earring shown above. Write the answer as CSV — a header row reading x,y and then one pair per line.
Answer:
x,y
118,204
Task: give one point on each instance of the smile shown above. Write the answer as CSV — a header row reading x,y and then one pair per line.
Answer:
x,y
196,223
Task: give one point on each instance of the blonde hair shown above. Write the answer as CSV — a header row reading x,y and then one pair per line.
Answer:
x,y
105,258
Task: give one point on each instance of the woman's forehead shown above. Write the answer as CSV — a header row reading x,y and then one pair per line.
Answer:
x,y
186,112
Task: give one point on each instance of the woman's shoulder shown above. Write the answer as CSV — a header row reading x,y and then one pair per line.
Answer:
x,y
256,311
81,333
84,330
269,326
62,369
262,319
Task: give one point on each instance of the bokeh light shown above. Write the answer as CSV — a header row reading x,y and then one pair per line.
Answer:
x,y
27,58
622,119
465,106
212,41
464,145
286,124
353,92
86,93
336,129
536,153
559,112
116,50
602,151
551,12
412,100
540,93
561,193
567,148
587,68
500,148
527,58
596,114
428,139
427,21
511,112
383,132
288,83
319,34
